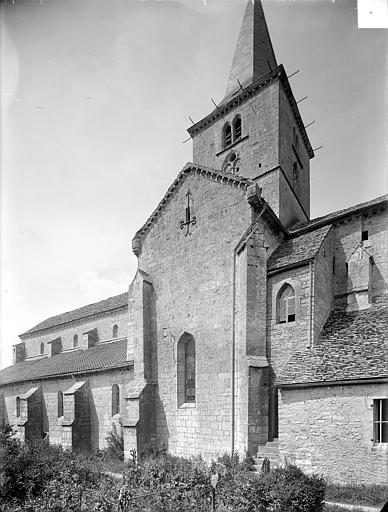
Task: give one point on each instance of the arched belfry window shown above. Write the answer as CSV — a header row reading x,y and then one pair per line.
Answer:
x,y
237,128
18,406
286,304
186,369
226,135
115,399
60,404
115,331
42,348
75,341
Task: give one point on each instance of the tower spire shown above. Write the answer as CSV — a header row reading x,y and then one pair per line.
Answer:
x,y
254,56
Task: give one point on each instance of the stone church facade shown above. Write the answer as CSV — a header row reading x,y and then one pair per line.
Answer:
x,y
248,326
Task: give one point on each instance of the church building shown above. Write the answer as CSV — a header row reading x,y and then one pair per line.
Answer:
x,y
248,326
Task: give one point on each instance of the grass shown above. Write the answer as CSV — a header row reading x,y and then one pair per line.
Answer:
x,y
370,495
334,508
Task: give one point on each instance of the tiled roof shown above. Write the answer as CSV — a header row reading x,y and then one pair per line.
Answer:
x,y
296,249
351,346
115,302
102,357
333,217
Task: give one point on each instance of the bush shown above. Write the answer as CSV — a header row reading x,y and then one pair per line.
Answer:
x,y
27,471
115,443
40,478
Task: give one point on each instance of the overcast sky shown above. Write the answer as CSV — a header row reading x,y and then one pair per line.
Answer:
x,y
95,99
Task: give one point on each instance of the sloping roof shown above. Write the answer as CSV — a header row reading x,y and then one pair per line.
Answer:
x,y
109,304
297,249
335,216
102,357
351,346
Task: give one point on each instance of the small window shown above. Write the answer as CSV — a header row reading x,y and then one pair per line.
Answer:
x,y
226,135
115,399
364,235
60,404
75,341
294,175
380,420
18,406
286,305
237,128
115,331
42,348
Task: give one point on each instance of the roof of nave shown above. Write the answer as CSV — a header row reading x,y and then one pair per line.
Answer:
x,y
297,249
351,346
118,301
331,218
99,358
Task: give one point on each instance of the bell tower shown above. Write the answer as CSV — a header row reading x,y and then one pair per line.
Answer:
x,y
257,131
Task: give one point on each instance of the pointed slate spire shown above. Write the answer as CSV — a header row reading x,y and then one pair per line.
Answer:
x,y
254,56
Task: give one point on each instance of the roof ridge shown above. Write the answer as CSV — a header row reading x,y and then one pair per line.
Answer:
x,y
52,318
309,225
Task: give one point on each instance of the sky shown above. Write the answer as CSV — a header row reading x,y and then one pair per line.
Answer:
x,y
95,102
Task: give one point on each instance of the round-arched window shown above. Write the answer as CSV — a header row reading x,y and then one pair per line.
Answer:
x,y
286,304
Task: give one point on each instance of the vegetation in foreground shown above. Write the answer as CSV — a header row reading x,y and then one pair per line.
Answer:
x,y
370,495
43,478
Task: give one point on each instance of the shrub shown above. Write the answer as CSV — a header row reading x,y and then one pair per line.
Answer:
x,y
115,443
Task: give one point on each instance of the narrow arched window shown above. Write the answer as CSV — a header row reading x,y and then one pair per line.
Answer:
x,y
237,128
60,404
18,406
186,369
115,399
286,304
226,135
115,331
75,341
42,348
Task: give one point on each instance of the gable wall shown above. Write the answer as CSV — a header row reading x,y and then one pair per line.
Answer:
x,y
192,279
347,236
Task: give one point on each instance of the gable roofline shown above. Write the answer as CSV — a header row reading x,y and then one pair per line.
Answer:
x,y
380,202
227,105
189,169
89,311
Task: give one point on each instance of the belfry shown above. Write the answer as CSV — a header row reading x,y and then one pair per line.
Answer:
x,y
248,327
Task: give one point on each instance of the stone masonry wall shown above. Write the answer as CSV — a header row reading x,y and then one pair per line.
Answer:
x,y
100,396
347,236
323,285
287,155
259,152
329,430
103,324
192,280
284,339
